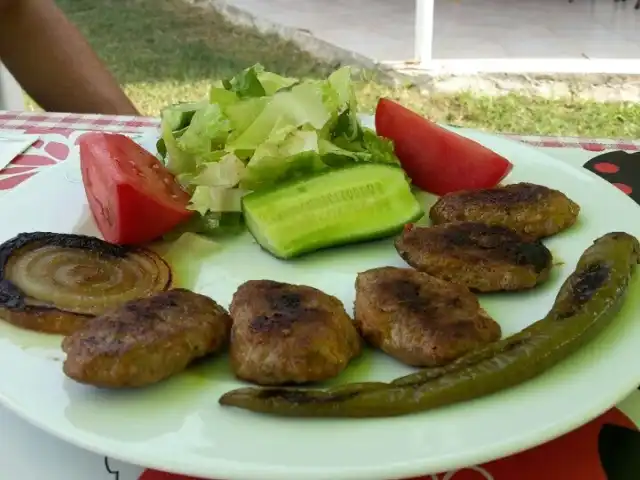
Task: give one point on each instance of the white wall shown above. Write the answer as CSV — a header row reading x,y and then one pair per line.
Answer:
x,y
10,92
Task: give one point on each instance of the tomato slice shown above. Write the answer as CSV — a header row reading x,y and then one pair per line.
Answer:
x,y
133,198
155,475
438,160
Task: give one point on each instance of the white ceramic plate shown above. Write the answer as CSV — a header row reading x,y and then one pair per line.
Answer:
x,y
178,426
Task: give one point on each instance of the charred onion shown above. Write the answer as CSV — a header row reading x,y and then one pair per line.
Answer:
x,y
53,282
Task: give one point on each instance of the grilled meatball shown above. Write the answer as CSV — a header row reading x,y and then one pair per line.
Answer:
x,y
289,334
146,341
419,319
531,210
481,257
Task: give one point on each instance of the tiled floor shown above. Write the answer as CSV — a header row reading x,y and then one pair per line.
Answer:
x,y
468,29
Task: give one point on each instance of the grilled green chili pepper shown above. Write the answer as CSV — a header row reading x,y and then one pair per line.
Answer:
x,y
587,303
483,353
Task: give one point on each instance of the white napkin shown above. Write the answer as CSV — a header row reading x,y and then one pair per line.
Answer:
x,y
12,145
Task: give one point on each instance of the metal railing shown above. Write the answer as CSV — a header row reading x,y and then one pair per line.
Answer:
x,y
423,50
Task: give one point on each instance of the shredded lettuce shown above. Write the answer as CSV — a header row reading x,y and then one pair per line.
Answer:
x,y
258,129
246,83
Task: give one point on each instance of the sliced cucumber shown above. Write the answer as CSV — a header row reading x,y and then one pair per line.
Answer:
x,y
336,207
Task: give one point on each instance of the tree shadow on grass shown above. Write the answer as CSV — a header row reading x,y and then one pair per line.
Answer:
x,y
146,41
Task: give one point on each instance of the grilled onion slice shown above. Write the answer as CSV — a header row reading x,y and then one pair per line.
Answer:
x,y
53,282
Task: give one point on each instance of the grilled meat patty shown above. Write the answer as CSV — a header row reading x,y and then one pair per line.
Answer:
x,y
419,319
484,258
289,334
529,209
146,341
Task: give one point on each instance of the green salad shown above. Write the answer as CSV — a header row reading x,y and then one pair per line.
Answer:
x,y
258,130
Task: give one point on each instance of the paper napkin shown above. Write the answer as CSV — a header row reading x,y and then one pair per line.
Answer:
x,y
12,145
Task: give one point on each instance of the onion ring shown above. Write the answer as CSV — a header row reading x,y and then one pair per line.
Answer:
x,y
55,282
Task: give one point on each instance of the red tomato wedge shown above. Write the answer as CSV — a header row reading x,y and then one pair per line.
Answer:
x,y
437,160
133,198
154,475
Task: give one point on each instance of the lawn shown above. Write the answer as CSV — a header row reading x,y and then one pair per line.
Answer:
x,y
165,51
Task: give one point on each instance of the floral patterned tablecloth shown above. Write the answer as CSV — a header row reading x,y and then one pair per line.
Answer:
x,y
606,449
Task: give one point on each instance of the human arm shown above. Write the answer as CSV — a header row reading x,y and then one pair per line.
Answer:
x,y
53,62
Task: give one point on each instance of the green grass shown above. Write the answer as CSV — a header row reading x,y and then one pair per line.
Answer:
x,y
165,51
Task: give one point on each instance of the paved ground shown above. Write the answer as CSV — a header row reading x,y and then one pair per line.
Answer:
x,y
583,36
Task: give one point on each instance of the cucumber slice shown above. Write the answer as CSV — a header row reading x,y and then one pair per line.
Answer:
x,y
353,204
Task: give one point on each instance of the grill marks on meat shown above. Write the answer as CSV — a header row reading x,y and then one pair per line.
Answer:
x,y
482,257
531,210
289,334
147,340
419,319
285,309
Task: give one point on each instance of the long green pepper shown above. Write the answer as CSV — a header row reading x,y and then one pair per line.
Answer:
x,y
586,304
